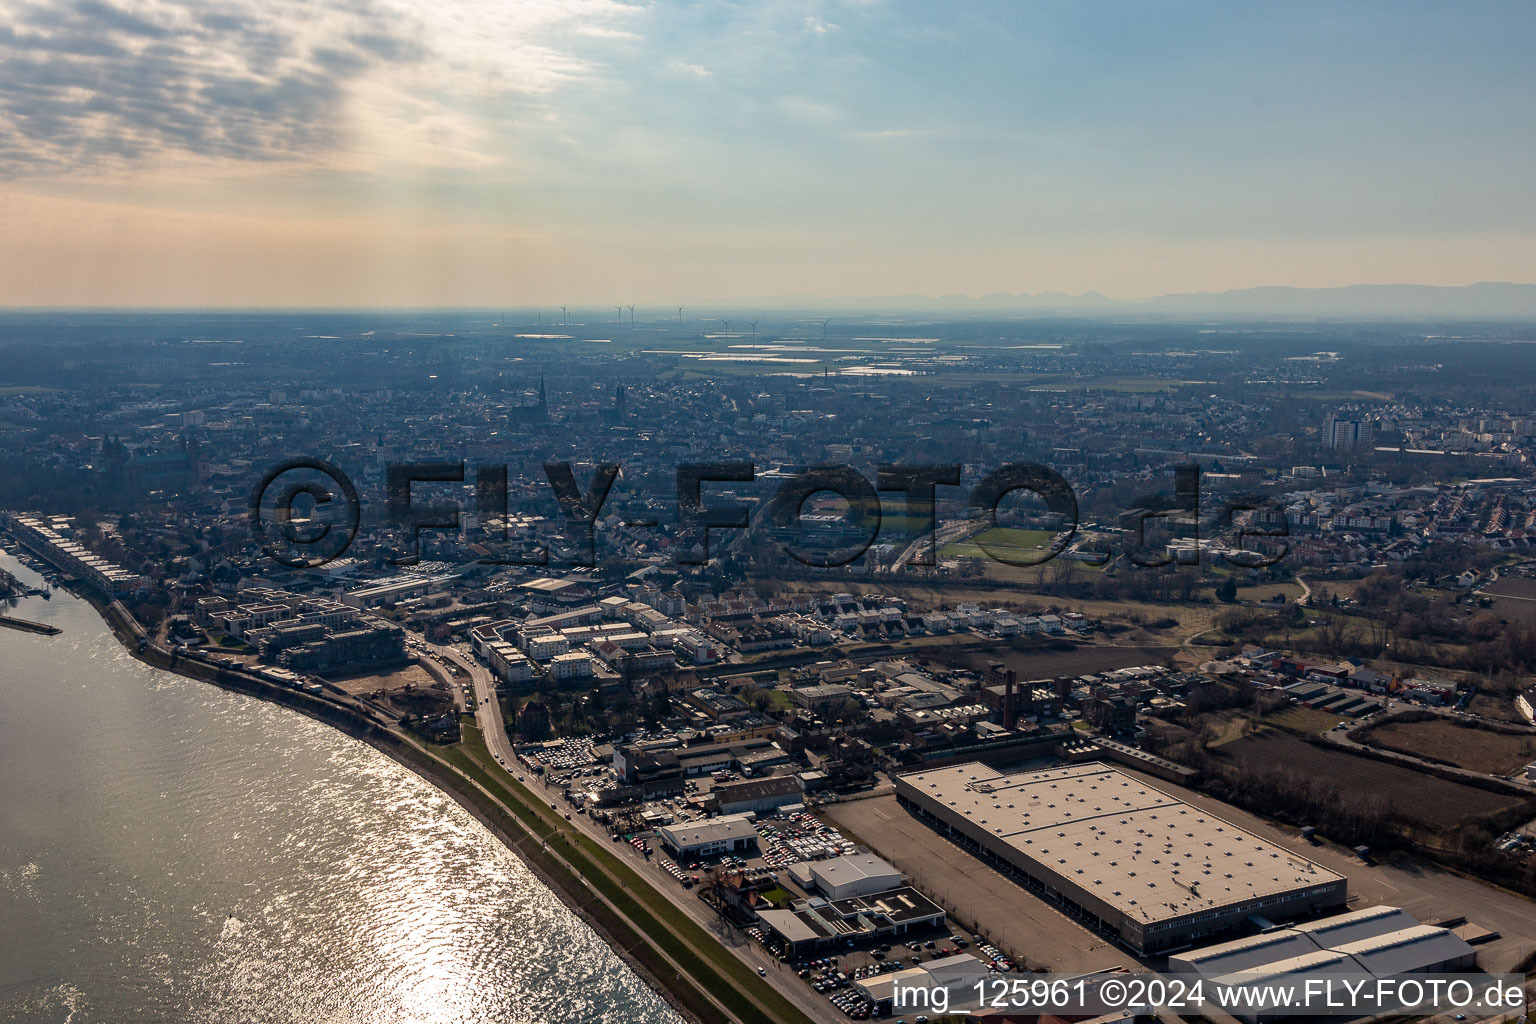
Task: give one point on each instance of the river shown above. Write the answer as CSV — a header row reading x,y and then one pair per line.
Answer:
x,y
172,852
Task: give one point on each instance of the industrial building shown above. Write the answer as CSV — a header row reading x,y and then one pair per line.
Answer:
x,y
1138,863
396,589
958,974
757,794
820,921
644,763
691,840
843,877
1379,942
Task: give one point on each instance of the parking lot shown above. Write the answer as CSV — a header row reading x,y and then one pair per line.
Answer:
x,y
568,756
802,838
835,976
981,899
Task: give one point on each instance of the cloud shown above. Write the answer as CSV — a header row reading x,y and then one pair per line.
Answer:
x,y
605,32
803,108
88,82
91,86
691,70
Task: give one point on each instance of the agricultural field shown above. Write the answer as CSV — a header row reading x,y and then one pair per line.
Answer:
x,y
1327,588
1514,599
1432,802
1512,586
970,378
1267,591
1513,609
1500,709
1466,746
1303,720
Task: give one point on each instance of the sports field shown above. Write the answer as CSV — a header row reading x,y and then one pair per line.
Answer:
x,y
1008,542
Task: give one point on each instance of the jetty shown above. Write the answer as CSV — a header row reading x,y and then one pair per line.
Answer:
x,y
29,627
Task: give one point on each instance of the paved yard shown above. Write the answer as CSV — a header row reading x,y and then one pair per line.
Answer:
x,y
977,896
1032,929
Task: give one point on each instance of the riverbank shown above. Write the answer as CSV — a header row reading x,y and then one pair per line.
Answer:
x,y
701,979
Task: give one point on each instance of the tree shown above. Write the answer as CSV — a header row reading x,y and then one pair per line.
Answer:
x,y
1335,634
756,696
1227,591
1062,572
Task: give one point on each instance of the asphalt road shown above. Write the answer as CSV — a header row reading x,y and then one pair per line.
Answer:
x,y
487,706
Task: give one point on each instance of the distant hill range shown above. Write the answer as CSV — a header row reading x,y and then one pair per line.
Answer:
x,y
1477,301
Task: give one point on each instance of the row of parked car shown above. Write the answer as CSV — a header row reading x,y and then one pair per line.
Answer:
x,y
689,881
995,957
853,1005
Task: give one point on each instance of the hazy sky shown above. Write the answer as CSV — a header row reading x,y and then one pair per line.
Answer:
x,y
594,151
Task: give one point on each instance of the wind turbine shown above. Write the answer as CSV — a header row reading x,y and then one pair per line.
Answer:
x,y
679,314
726,322
754,330
562,314
824,327
621,313
631,314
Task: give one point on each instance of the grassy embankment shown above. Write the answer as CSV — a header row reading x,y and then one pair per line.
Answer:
x,y
660,922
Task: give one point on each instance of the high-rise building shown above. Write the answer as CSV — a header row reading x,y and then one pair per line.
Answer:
x,y
1348,435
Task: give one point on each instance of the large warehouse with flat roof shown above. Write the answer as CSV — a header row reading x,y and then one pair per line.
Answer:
x,y
1138,862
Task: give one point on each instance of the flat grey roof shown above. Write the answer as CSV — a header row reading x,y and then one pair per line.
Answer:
x,y
1252,953
839,870
790,925
1365,923
1406,950
711,830
1365,928
1142,851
